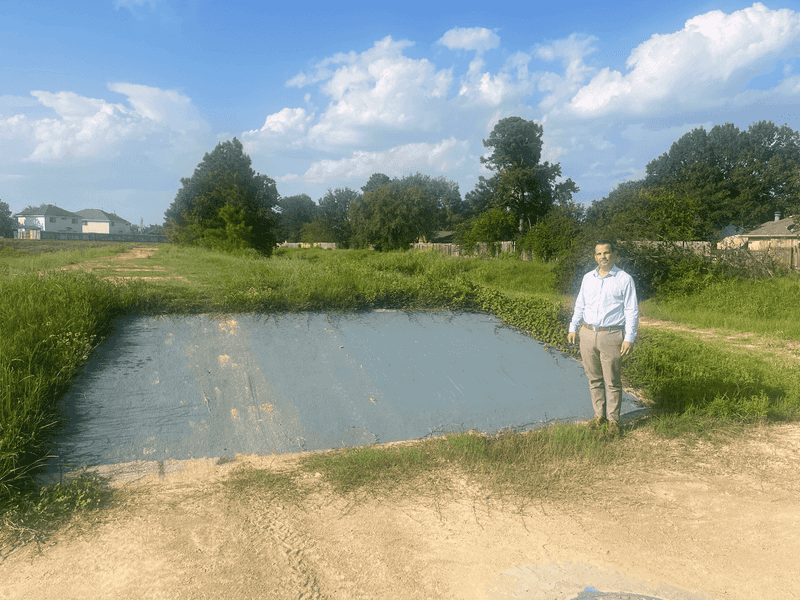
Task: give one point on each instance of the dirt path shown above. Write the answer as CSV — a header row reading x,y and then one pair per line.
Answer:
x,y
689,522
133,263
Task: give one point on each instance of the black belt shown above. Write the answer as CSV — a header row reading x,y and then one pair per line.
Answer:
x,y
596,328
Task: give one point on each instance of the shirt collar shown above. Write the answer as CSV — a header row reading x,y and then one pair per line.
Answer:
x,y
614,270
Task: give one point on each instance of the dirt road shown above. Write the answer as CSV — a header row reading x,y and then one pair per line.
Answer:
x,y
690,522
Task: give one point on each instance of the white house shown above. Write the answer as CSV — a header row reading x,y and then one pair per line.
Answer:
x,y
95,220
48,218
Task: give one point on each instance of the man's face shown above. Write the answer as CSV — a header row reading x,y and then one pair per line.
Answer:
x,y
604,256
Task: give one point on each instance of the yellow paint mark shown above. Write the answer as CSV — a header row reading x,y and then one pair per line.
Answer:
x,y
229,327
223,359
266,408
234,414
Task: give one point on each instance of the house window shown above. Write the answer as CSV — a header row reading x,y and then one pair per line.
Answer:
x,y
52,219
111,224
74,221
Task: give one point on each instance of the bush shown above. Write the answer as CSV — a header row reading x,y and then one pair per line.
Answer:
x,y
557,234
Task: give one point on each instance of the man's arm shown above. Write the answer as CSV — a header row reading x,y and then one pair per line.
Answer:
x,y
631,311
577,315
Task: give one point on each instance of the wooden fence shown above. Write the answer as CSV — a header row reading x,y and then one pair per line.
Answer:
x,y
37,234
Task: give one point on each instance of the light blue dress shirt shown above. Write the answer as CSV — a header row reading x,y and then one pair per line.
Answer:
x,y
608,301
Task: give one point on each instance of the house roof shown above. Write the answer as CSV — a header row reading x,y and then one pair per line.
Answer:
x,y
782,228
95,214
49,210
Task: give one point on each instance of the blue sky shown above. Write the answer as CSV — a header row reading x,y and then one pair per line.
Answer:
x,y
108,103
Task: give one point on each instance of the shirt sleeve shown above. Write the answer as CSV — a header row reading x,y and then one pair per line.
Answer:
x,y
580,305
631,311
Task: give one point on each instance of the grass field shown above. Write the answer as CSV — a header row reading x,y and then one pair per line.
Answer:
x,y
52,319
764,307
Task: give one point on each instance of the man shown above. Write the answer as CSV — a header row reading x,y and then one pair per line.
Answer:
x,y
607,312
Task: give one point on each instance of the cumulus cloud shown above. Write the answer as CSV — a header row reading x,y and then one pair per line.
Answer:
x,y
166,107
702,65
478,39
84,127
571,53
509,86
379,89
394,162
286,127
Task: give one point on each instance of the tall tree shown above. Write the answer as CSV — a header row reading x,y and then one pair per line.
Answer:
x,y
740,177
334,212
224,177
449,209
295,211
6,222
375,181
521,182
392,217
514,141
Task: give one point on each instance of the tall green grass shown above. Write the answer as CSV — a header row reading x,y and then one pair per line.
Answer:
x,y
51,322
16,259
767,306
49,325
696,384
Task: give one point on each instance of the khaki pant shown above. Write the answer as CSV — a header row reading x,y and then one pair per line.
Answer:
x,y
600,351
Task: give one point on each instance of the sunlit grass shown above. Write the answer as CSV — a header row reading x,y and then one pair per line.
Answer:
x,y
52,321
764,307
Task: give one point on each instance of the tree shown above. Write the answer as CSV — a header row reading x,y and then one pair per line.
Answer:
x,y
449,209
334,212
650,213
295,211
514,141
375,181
316,231
740,177
520,183
224,176
6,222
558,233
494,225
392,217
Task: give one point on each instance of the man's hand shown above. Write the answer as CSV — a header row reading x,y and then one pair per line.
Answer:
x,y
626,349
571,337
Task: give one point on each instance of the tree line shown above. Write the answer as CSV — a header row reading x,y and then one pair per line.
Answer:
x,y
705,182
226,205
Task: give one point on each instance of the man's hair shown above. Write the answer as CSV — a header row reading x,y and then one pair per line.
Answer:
x,y
605,243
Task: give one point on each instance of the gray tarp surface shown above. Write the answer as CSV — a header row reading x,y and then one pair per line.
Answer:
x,y
203,386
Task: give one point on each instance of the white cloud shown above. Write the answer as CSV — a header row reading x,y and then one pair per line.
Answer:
x,y
510,86
286,127
380,89
397,161
287,177
571,53
166,107
479,39
702,65
87,127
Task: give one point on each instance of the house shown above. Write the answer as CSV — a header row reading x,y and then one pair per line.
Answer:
x,y
95,220
780,238
47,218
